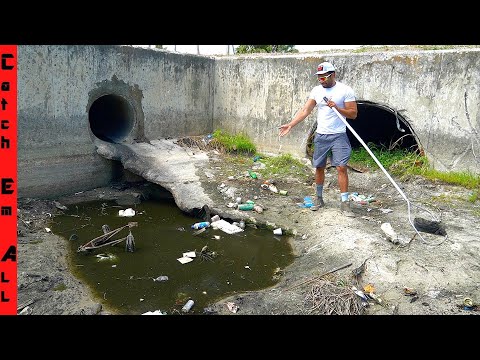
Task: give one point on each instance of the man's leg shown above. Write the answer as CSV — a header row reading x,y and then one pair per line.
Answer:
x,y
319,180
343,185
341,151
342,178
322,145
319,176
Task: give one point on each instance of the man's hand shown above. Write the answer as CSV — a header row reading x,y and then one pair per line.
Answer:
x,y
284,129
331,104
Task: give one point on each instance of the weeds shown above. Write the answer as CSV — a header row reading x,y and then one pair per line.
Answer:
x,y
234,143
285,165
241,151
405,164
360,157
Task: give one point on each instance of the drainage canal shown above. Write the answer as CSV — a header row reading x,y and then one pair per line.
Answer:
x,y
151,278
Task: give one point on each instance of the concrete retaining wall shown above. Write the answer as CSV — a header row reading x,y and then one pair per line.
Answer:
x,y
437,92
170,93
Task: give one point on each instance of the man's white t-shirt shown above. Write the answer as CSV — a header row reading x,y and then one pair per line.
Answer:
x,y
328,121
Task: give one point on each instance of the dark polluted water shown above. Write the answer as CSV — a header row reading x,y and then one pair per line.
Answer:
x,y
136,282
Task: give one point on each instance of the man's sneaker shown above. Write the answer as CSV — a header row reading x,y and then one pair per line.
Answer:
x,y
317,203
345,209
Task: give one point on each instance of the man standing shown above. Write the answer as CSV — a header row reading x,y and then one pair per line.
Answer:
x,y
331,131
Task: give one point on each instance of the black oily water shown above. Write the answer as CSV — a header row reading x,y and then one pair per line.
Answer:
x,y
151,277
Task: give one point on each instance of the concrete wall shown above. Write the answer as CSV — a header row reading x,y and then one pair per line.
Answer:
x,y
170,93
437,92
175,95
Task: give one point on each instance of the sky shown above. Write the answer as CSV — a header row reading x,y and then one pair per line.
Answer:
x,y
223,49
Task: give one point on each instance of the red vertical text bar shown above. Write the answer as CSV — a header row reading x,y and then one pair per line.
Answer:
x,y
8,179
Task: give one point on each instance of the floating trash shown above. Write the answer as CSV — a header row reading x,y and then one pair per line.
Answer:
x,y
156,312
106,229
225,226
201,225
130,243
126,213
199,231
185,260
188,306
104,257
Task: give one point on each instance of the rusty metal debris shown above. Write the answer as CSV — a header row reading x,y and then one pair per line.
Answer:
x,y
106,239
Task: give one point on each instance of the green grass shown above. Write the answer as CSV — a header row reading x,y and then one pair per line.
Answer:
x,y
360,157
234,143
284,165
406,164
400,162
473,196
276,167
241,152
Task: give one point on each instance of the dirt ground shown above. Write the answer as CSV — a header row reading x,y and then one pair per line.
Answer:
x,y
411,273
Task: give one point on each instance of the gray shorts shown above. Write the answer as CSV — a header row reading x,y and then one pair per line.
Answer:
x,y
338,143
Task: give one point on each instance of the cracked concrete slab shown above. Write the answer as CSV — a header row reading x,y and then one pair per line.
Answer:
x,y
166,163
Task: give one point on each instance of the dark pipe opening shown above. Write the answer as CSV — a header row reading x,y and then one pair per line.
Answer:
x,y
111,118
379,125
382,126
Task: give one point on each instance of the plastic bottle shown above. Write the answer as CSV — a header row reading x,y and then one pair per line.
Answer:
x,y
245,207
307,202
188,306
272,188
208,138
201,225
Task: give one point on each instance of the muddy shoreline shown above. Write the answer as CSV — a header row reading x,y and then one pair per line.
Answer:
x,y
442,270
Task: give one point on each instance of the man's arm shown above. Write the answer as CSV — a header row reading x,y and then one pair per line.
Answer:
x,y
350,111
300,116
